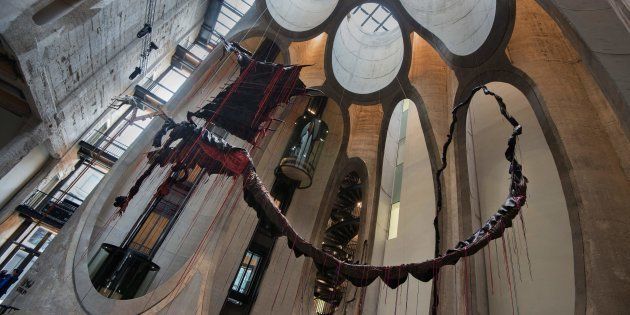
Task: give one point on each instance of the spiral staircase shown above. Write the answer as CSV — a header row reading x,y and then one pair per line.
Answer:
x,y
340,242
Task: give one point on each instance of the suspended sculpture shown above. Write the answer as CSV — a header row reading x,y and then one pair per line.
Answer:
x,y
245,105
242,111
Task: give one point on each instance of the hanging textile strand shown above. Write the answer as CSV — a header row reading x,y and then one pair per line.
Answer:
x,y
216,156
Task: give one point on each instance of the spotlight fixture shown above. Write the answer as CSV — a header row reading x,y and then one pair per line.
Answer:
x,y
135,73
145,30
153,46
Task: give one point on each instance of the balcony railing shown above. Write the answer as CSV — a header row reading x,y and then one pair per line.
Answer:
x,y
54,210
98,144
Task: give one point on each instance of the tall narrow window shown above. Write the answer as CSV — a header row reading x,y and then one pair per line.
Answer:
x,y
242,282
398,172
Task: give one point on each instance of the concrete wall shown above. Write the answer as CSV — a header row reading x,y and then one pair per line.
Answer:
x,y
75,64
590,168
22,172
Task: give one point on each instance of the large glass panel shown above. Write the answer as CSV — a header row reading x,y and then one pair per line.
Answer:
x,y
172,80
393,221
240,5
403,124
129,135
246,273
401,152
225,20
231,15
16,260
198,51
377,18
35,237
221,29
86,183
162,93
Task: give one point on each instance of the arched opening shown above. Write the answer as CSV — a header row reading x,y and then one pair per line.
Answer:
x,y
404,230
368,49
160,233
547,240
340,241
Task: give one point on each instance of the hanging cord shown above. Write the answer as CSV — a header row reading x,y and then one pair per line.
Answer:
x,y
258,198
209,81
198,250
64,193
510,156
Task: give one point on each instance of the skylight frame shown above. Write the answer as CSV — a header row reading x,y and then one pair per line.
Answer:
x,y
379,16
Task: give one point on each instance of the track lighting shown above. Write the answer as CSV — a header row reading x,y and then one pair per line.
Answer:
x,y
145,30
153,46
135,73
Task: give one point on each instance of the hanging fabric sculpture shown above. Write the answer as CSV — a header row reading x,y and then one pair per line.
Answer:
x,y
245,105
242,109
199,147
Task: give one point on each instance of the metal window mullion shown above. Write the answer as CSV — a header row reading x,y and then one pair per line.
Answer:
x,y
227,16
251,256
371,15
233,9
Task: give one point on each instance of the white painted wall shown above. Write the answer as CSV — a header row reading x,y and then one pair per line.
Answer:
x,y
551,290
415,238
22,172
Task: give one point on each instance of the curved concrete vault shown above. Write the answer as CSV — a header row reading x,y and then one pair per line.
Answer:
x,y
364,61
462,25
300,15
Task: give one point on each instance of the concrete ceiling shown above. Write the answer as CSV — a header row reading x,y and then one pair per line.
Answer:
x,y
462,25
300,15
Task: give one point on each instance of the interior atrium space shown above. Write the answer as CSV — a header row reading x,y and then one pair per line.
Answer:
x,y
315,157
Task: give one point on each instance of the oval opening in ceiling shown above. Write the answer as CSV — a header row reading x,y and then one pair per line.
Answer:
x,y
368,49
300,15
462,25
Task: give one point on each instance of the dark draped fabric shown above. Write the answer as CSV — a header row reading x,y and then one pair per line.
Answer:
x,y
201,148
243,107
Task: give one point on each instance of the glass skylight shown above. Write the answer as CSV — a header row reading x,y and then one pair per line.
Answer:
x,y
376,18
231,12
